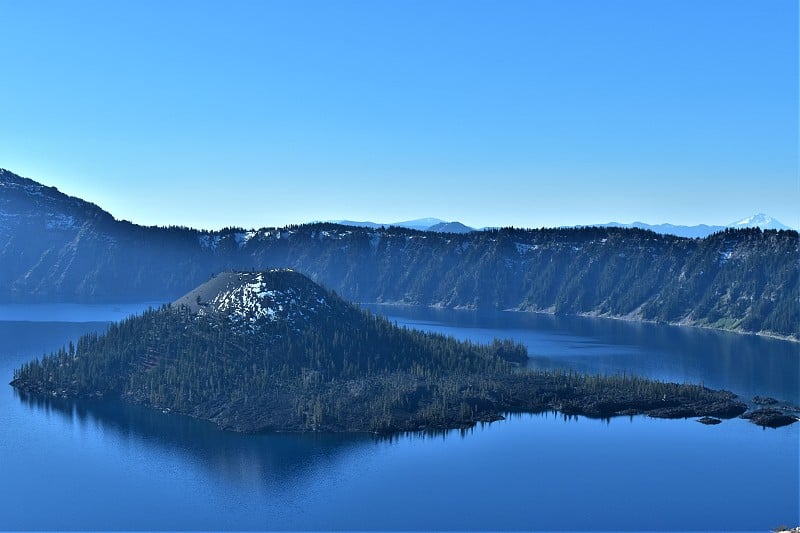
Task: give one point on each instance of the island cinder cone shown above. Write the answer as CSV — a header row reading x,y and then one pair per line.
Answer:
x,y
256,297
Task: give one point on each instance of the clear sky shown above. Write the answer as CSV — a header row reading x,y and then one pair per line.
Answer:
x,y
526,113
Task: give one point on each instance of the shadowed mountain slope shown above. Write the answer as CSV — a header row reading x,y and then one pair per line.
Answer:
x,y
54,248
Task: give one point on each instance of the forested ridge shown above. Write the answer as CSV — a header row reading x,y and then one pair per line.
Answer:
x,y
308,362
57,248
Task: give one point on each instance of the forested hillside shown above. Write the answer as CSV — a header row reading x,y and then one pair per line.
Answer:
x,y
57,248
274,351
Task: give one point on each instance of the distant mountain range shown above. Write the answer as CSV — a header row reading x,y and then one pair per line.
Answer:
x,y
421,224
699,231
56,248
702,230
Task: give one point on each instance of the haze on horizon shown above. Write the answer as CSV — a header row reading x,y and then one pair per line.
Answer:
x,y
527,113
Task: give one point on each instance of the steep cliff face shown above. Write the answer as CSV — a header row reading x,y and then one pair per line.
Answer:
x,y
54,247
57,248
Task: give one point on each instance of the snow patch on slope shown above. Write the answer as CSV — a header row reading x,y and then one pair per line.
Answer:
x,y
243,237
60,221
209,242
254,301
523,249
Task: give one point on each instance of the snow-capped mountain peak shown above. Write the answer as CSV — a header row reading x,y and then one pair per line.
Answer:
x,y
759,220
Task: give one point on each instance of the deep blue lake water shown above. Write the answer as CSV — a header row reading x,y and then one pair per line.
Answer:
x,y
114,467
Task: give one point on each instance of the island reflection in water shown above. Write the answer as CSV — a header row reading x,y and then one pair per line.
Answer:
x,y
544,463
272,458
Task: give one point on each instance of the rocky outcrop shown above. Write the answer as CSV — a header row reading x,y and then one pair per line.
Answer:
x,y
772,418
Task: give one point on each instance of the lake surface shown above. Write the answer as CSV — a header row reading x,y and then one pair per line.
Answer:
x,y
748,365
113,467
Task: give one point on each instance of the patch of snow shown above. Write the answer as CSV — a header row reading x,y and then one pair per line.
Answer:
x,y
523,249
209,241
35,190
59,221
242,237
253,302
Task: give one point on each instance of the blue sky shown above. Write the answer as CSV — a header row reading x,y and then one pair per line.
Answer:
x,y
526,113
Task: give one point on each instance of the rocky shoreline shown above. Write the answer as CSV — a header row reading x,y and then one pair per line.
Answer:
x,y
770,418
772,413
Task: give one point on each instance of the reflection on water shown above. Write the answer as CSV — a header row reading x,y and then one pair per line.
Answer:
x,y
272,458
